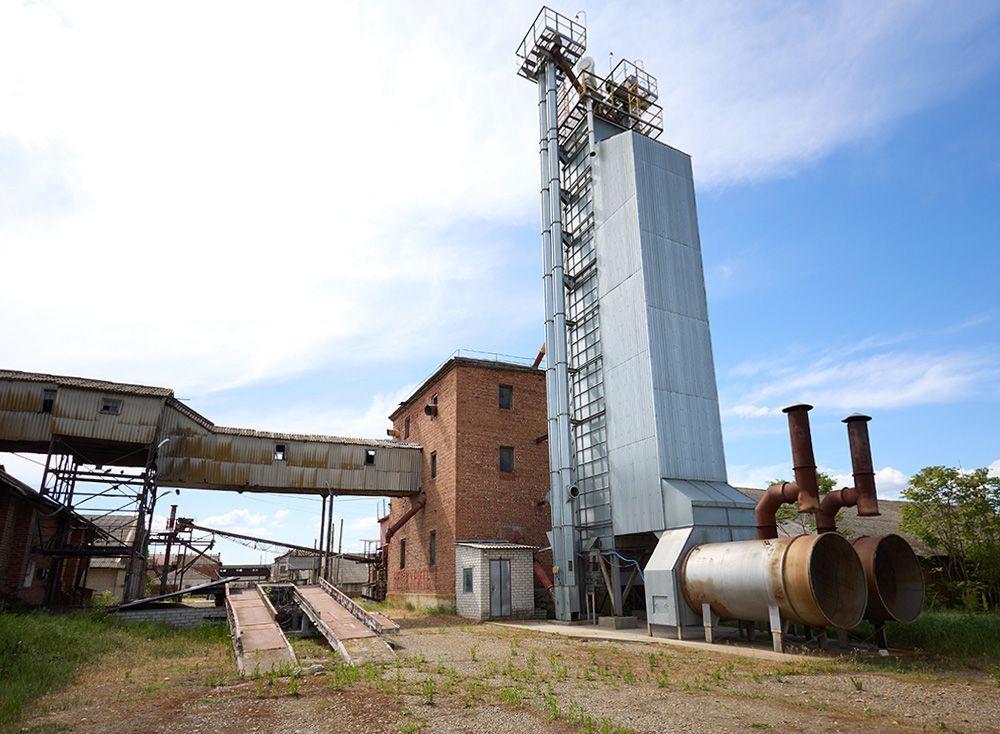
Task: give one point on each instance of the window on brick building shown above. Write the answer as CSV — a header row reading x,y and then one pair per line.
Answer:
x,y
402,553
506,397
507,458
432,547
406,428
466,580
48,400
434,464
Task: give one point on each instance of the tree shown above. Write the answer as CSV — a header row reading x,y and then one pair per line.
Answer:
x,y
790,513
956,513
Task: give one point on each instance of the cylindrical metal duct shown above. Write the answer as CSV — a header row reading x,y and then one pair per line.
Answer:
x,y
812,579
861,464
803,460
895,578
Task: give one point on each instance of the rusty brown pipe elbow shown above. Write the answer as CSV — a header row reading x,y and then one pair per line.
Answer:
x,y
775,496
803,460
826,517
861,464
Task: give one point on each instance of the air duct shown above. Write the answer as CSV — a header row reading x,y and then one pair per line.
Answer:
x,y
863,492
817,580
895,578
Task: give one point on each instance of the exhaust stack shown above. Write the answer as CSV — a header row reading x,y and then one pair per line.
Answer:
x,y
805,488
863,492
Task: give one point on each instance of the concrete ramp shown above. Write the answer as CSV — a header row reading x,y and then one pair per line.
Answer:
x,y
260,644
353,639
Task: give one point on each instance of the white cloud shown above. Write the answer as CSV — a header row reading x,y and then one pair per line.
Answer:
x,y
750,411
215,215
239,520
889,482
281,514
994,468
851,382
746,475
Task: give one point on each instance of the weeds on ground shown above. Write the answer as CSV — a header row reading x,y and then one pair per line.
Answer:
x,y
41,652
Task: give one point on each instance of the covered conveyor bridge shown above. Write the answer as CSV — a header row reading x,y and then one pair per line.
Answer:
x,y
115,424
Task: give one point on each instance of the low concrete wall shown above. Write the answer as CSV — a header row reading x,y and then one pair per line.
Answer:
x,y
175,616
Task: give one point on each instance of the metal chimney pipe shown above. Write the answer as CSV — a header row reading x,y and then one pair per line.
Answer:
x,y
861,464
803,460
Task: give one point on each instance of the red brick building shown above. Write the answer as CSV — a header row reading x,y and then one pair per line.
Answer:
x,y
482,426
28,523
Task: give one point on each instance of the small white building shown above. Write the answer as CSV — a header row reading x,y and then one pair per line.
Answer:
x,y
494,579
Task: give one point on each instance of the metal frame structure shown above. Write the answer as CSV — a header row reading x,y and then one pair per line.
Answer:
x,y
570,98
83,485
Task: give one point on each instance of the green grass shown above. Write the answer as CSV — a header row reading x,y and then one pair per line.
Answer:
x,y
967,636
41,652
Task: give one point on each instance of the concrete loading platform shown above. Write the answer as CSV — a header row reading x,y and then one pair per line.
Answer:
x,y
261,646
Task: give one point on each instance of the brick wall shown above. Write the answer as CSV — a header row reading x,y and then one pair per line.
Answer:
x,y
434,434
175,616
22,529
470,498
497,504
476,604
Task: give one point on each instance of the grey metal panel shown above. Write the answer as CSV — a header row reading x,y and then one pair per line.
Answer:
x,y
638,505
674,277
682,354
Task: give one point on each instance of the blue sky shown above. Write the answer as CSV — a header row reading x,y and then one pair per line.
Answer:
x,y
238,225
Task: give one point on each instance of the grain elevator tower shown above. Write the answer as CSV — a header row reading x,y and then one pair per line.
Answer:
x,y
637,469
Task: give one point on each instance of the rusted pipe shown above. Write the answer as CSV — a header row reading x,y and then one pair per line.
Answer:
x,y
803,460
417,507
538,359
805,488
861,464
816,580
863,492
543,578
767,506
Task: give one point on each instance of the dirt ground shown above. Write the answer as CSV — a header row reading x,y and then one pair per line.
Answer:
x,y
452,677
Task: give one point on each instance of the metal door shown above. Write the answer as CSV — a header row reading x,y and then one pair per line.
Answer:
x,y
499,587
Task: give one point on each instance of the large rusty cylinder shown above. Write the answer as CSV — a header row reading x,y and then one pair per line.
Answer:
x,y
803,460
813,579
861,464
894,576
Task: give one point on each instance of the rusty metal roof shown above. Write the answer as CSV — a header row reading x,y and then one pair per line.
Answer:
x,y
86,384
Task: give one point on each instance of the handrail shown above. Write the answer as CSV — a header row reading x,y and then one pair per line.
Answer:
x,y
369,619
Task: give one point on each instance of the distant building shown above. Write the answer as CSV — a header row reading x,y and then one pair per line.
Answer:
x,y
184,569
107,575
30,530
349,573
483,429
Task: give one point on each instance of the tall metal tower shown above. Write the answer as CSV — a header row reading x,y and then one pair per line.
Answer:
x,y
635,439
571,98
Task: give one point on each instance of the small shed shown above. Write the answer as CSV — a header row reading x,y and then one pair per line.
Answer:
x,y
494,579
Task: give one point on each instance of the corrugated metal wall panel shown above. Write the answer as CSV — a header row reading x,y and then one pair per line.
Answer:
x,y
195,456
662,403
75,413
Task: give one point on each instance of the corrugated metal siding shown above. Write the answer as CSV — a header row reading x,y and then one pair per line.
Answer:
x,y
663,412
76,412
196,456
